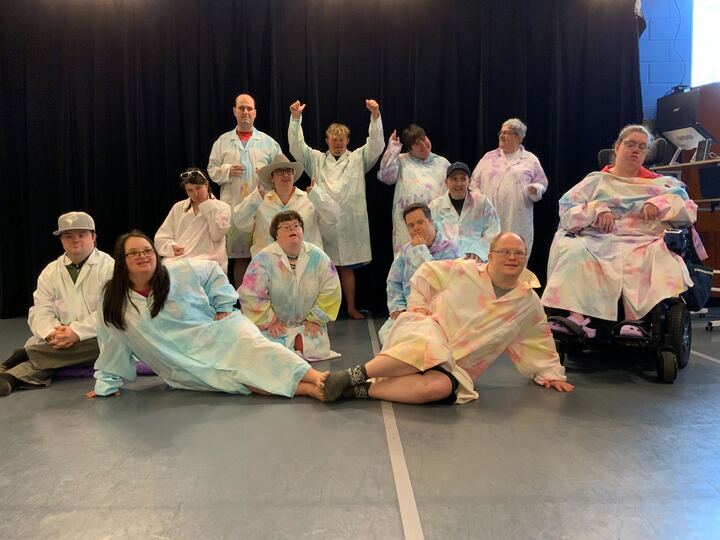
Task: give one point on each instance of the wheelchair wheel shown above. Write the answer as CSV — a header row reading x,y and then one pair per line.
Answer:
x,y
666,366
679,329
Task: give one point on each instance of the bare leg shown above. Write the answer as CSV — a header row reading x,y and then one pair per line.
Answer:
x,y
347,278
387,366
298,344
239,271
416,388
380,366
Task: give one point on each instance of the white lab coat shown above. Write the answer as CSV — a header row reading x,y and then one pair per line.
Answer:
x,y
202,234
416,181
472,230
227,151
506,184
255,214
57,300
348,241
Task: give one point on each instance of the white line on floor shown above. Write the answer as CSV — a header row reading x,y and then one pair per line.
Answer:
x,y
705,356
406,497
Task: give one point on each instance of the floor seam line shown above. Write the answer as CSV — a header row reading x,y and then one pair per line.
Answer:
x,y
412,527
705,356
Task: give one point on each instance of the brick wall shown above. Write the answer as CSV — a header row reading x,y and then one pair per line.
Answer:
x,y
665,49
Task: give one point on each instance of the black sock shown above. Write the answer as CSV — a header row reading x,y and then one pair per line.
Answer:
x,y
338,381
359,391
17,357
358,374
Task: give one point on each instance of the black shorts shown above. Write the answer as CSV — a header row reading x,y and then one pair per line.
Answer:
x,y
452,396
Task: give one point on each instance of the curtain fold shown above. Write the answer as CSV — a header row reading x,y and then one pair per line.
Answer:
x,y
104,103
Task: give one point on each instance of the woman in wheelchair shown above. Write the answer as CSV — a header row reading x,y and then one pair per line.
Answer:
x,y
610,245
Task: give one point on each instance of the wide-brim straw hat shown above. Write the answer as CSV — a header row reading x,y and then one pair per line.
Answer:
x,y
280,161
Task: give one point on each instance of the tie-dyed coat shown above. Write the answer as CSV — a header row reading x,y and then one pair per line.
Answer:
x,y
187,348
588,269
271,290
470,327
473,229
506,184
403,268
415,181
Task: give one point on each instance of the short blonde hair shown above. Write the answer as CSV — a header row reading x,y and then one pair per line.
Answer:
x,y
339,131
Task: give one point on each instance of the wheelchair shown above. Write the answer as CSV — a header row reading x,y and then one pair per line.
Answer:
x,y
665,333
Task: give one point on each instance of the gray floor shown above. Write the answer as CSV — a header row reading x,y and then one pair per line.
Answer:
x,y
622,457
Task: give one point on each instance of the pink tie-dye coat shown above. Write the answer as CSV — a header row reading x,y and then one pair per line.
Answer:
x,y
589,270
470,327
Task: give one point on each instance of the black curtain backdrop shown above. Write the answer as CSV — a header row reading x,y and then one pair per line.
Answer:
x,y
104,102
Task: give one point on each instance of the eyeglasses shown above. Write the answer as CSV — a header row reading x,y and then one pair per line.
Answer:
x,y
506,132
136,253
289,172
518,254
189,175
289,226
634,144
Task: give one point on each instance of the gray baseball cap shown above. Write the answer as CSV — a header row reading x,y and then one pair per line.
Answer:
x,y
73,221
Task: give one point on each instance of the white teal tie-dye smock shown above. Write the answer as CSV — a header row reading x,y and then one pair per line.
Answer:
x,y
229,150
505,182
403,268
255,214
415,181
470,327
348,241
185,346
473,229
589,270
272,291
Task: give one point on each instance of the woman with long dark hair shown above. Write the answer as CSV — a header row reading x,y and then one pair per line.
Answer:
x,y
179,319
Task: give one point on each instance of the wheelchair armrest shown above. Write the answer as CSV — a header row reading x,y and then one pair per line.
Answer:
x,y
677,240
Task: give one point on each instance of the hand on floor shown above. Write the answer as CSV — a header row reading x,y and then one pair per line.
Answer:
x,y
560,386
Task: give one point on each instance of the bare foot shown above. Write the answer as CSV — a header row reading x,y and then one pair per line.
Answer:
x,y
310,390
355,314
317,393
323,377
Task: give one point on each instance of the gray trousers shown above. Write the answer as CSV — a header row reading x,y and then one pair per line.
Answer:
x,y
43,361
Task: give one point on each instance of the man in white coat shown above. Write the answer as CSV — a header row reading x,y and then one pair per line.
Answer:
x,y
341,174
234,160
465,216
62,318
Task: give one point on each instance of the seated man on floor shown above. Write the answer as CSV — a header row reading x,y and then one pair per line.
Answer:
x,y
610,242
291,290
461,317
426,244
465,216
62,318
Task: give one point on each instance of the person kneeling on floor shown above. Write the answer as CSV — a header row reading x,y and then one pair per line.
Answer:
x,y
461,316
